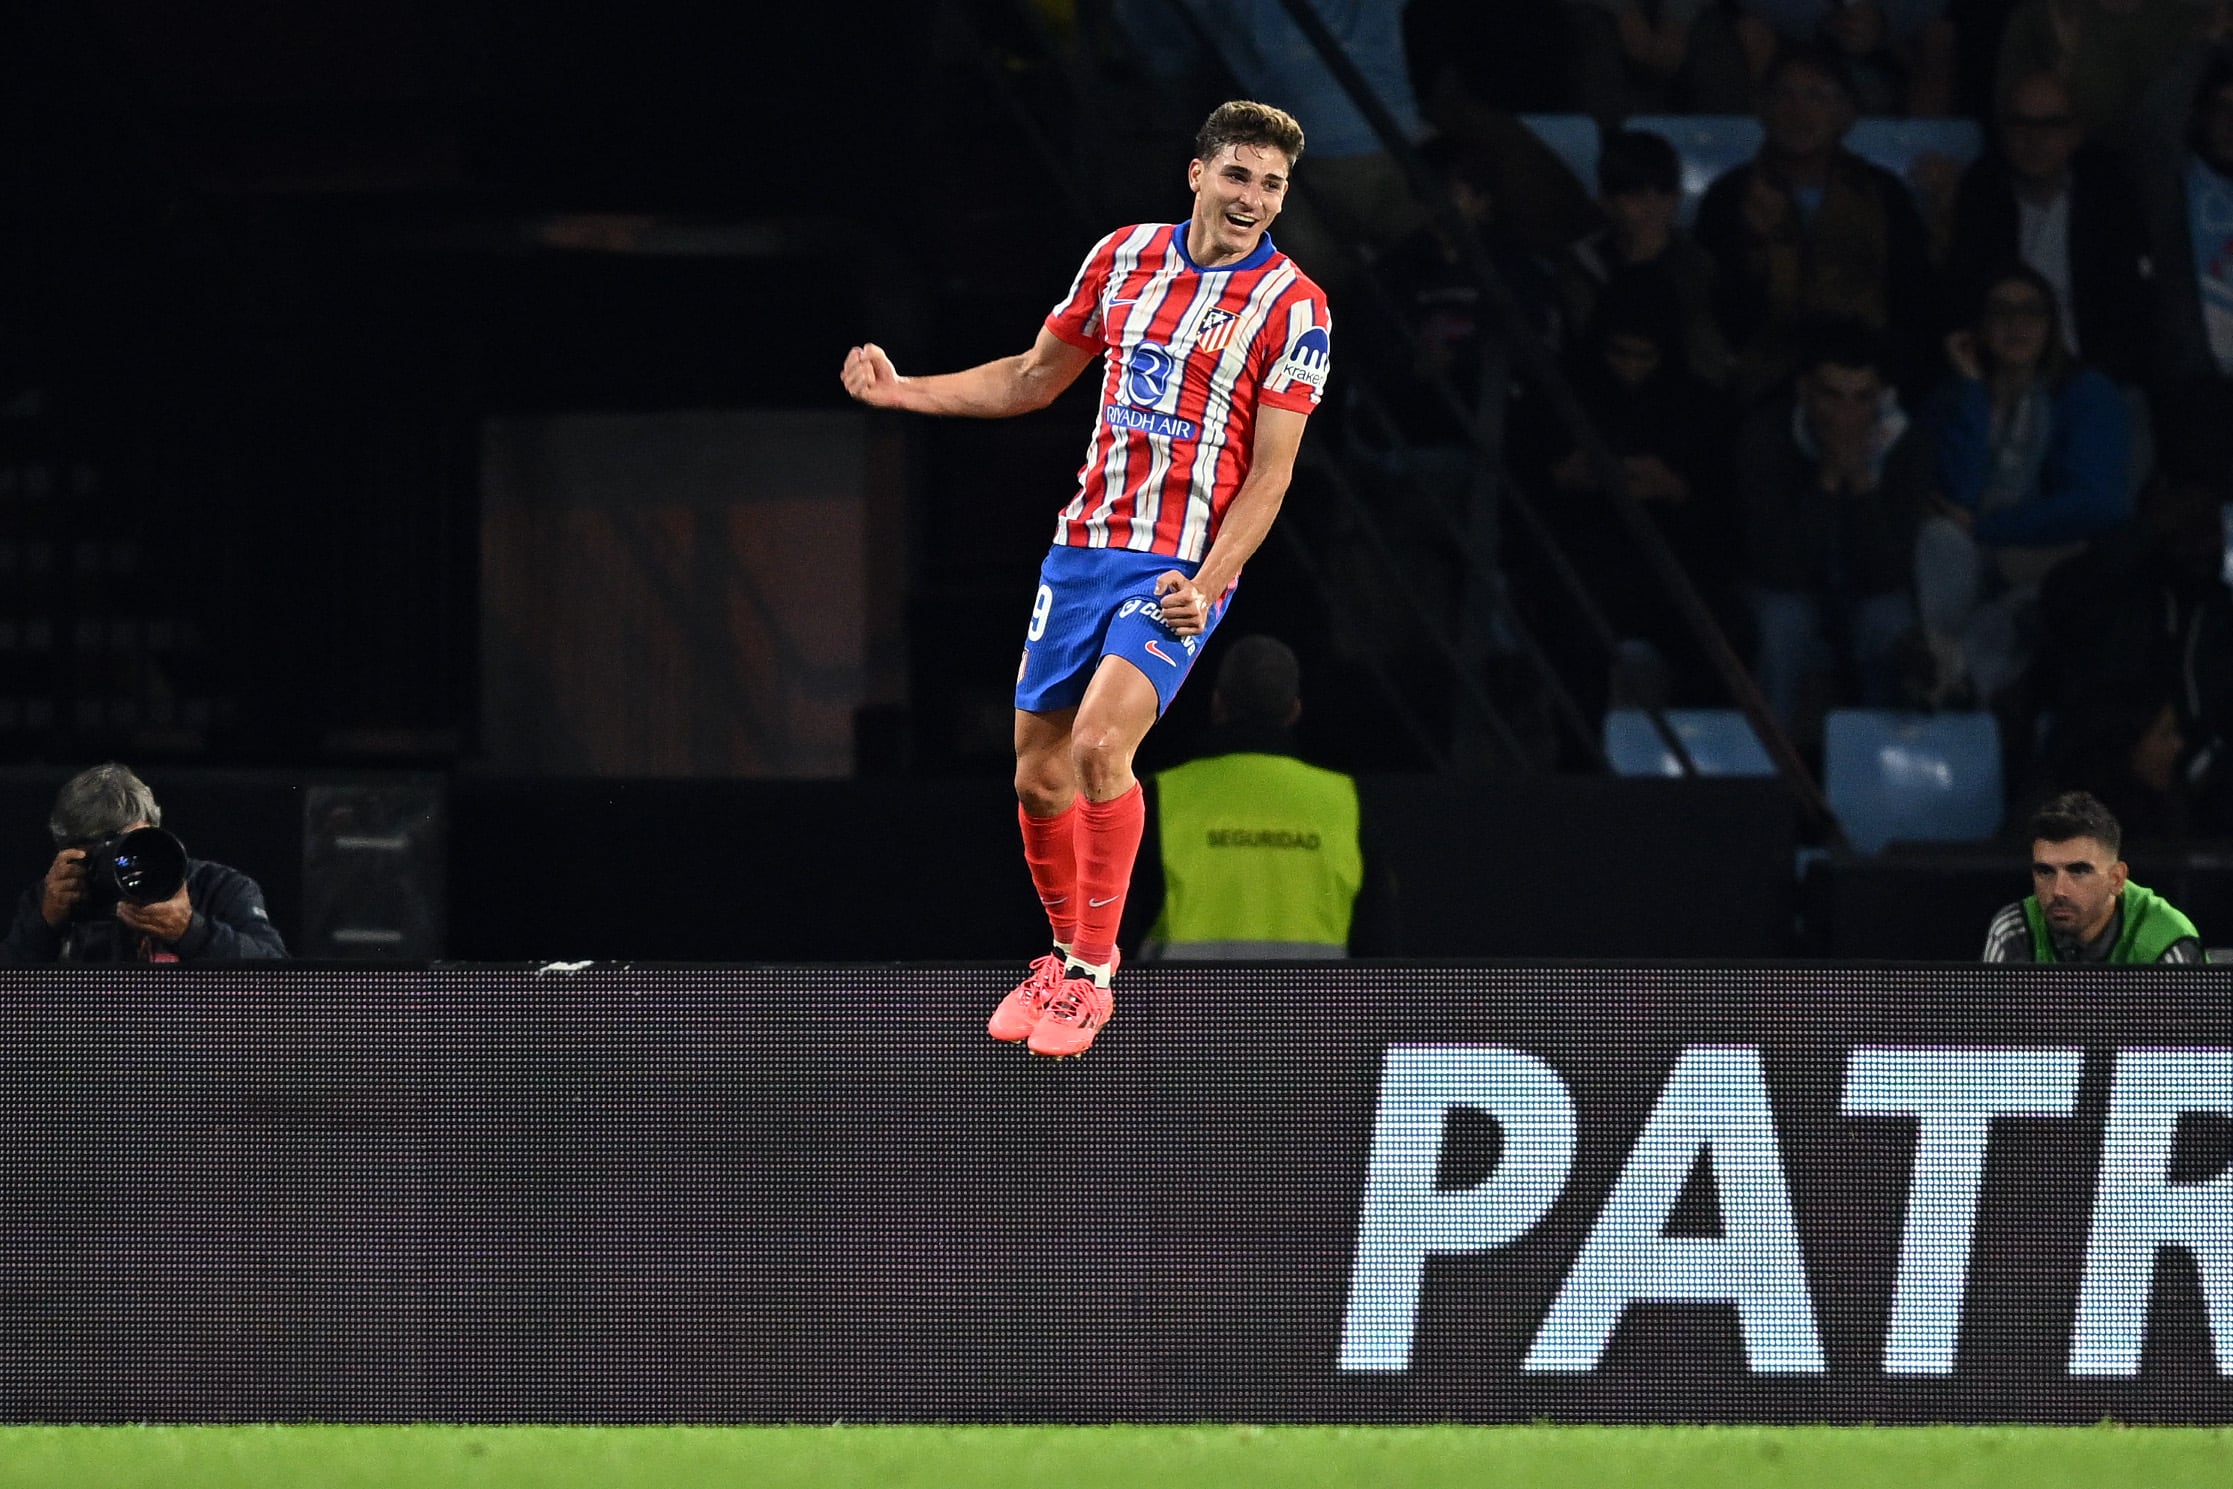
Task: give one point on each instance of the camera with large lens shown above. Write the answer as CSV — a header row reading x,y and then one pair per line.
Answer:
x,y
146,866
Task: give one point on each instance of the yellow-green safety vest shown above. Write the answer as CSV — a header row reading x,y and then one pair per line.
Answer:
x,y
2151,925
1260,858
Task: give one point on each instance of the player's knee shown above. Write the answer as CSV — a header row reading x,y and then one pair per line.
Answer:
x,y
1042,787
1102,759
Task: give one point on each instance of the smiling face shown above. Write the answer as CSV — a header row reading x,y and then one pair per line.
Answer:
x,y
2077,882
1237,194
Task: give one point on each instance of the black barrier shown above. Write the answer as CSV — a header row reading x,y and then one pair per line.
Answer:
x,y
1350,1193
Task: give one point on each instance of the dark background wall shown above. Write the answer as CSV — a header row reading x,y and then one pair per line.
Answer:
x,y
272,274
489,869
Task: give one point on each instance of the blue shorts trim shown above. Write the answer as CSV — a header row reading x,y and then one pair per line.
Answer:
x,y
1100,602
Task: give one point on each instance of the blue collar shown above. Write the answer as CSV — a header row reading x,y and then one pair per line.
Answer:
x,y
1256,260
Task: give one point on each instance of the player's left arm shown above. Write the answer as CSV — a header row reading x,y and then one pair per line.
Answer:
x,y
1271,465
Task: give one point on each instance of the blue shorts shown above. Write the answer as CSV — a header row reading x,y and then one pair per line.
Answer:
x,y
1100,602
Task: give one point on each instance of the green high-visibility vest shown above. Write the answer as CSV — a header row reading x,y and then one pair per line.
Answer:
x,y
1260,858
2151,924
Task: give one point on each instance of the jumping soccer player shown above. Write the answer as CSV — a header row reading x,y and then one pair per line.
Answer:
x,y
1216,350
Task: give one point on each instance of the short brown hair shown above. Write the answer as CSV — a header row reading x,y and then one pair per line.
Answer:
x,y
2077,814
1241,122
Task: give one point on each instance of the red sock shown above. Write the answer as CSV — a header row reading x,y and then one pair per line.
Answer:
x,y
1050,847
1108,842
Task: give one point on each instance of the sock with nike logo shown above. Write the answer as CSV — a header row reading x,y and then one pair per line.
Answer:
x,y
1108,842
1050,848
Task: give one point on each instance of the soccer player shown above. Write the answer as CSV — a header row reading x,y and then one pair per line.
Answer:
x,y
1215,347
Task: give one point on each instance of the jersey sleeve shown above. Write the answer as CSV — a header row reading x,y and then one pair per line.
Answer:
x,y
1300,356
1077,319
2008,938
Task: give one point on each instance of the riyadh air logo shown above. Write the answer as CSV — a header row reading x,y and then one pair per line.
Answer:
x,y
1156,649
1148,370
1307,358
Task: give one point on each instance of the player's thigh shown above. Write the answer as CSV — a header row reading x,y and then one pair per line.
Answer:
x,y
1121,705
1138,634
1043,738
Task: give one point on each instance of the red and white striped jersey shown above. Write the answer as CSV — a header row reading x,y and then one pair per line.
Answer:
x,y
1191,353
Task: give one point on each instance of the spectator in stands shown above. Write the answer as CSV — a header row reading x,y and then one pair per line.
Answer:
x,y
1443,332
2109,51
1901,52
1656,57
1438,374
2144,621
1669,431
2084,906
1639,186
1260,854
1831,484
2126,746
2034,462
74,915
2069,212
1809,231
2184,163
1476,68
1516,53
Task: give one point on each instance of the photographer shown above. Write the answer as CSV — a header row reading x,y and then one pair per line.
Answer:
x,y
92,906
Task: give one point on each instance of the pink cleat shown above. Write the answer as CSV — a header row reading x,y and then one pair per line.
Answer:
x,y
1075,1014
1019,1012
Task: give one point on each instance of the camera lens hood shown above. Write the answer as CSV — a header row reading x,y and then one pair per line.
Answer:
x,y
149,865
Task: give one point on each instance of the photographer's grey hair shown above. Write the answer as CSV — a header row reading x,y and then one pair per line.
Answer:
x,y
99,803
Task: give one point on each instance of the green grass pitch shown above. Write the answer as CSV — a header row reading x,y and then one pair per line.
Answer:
x,y
1092,1457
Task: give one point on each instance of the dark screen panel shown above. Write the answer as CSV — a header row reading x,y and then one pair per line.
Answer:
x,y
1369,1192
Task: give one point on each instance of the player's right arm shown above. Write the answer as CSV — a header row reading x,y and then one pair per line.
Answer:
x,y
992,390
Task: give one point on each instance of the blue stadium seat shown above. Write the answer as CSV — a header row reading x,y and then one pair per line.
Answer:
x,y
1573,139
1708,144
1720,741
1910,777
1896,144
1712,143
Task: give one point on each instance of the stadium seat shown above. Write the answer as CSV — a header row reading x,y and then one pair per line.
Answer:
x,y
1910,777
1573,139
1720,741
1709,144
1896,144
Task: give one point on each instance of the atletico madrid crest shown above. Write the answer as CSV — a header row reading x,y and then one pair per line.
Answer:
x,y
1215,330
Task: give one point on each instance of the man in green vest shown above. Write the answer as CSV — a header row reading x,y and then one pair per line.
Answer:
x,y
1261,854
2084,907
